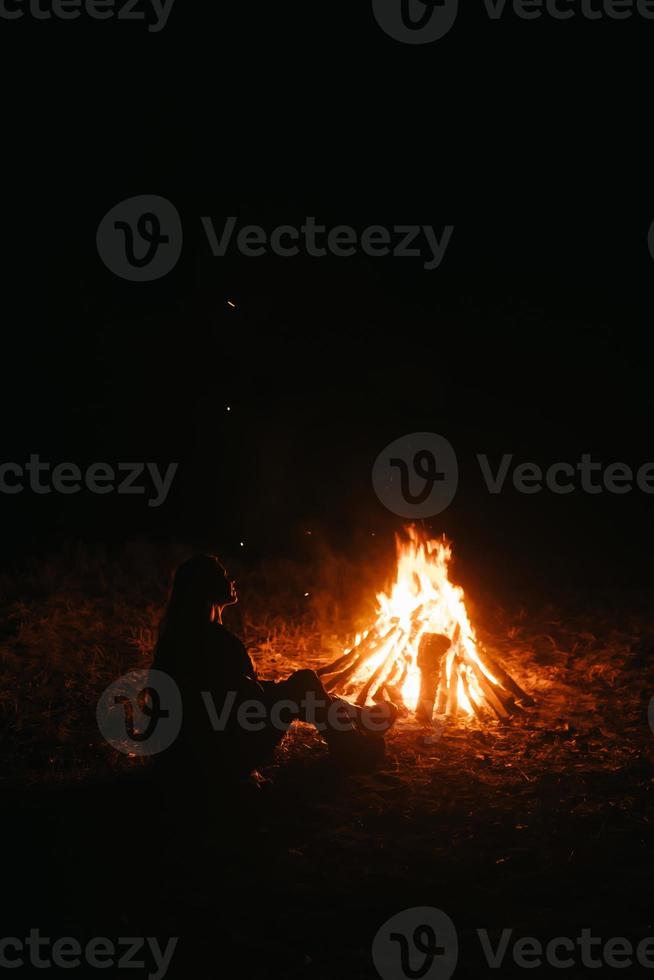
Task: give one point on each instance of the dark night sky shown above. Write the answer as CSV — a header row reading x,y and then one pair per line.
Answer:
x,y
533,337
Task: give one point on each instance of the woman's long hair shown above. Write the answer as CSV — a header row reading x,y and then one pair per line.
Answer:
x,y
199,583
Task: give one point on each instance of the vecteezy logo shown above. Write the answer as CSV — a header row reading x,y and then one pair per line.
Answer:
x,y
415,21
140,239
141,712
417,475
416,944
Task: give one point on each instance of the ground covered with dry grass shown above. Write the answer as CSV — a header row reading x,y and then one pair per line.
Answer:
x,y
543,825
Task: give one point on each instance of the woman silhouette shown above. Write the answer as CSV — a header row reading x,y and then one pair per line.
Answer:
x,y
220,734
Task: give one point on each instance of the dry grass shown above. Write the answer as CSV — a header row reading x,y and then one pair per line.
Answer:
x,y
72,625
543,825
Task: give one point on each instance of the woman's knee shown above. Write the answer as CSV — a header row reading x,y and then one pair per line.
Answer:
x,y
306,676
304,682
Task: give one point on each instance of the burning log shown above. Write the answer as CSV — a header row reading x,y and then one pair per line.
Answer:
x,y
393,694
490,692
408,656
453,693
351,655
393,687
396,673
432,649
339,664
376,679
502,675
363,653
466,690
441,704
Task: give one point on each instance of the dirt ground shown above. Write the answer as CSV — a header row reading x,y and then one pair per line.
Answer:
x,y
542,826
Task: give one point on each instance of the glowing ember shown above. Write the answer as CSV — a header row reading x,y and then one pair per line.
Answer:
x,y
422,652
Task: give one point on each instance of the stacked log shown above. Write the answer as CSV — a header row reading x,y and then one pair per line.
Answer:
x,y
445,666
431,652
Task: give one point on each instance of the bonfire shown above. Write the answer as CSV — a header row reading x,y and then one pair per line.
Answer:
x,y
422,652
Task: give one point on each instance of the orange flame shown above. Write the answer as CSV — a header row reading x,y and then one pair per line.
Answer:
x,y
423,600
